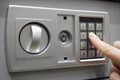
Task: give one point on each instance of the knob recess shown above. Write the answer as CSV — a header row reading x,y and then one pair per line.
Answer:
x,y
34,38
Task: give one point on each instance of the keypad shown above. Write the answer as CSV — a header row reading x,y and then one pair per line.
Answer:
x,y
99,26
83,35
90,46
91,26
99,54
83,26
83,44
87,25
91,54
83,54
99,34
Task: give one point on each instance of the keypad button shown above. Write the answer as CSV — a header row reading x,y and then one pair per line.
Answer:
x,y
91,54
83,45
98,26
83,54
99,54
91,26
99,34
83,26
83,35
90,45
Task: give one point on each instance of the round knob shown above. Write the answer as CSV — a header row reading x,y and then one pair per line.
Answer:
x,y
34,38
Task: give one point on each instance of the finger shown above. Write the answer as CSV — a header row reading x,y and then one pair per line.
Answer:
x,y
114,69
110,51
114,76
116,44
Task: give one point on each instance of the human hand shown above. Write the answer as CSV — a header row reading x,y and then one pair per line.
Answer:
x,y
112,52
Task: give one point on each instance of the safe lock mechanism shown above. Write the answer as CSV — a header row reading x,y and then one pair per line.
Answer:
x,y
39,38
65,37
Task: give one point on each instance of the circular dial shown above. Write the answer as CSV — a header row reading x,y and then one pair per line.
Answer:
x,y
34,38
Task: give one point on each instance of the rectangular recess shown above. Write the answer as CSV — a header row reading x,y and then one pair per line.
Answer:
x,y
66,23
90,25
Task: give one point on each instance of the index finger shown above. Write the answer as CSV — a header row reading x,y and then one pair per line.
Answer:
x,y
108,50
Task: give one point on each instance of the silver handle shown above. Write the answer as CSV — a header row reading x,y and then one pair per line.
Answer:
x,y
34,45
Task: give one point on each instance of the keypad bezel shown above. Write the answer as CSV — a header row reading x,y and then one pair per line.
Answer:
x,y
91,26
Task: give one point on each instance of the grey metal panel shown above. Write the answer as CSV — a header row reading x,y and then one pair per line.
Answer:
x,y
53,56
65,74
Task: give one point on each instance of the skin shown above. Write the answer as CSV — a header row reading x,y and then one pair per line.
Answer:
x,y
112,52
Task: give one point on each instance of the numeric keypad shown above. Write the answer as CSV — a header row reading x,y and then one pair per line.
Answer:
x,y
87,25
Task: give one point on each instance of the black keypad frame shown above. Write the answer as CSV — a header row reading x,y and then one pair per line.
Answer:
x,y
97,29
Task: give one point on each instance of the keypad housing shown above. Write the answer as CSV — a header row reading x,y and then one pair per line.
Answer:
x,y
87,25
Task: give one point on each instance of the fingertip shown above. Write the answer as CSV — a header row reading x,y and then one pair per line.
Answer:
x,y
91,35
93,38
